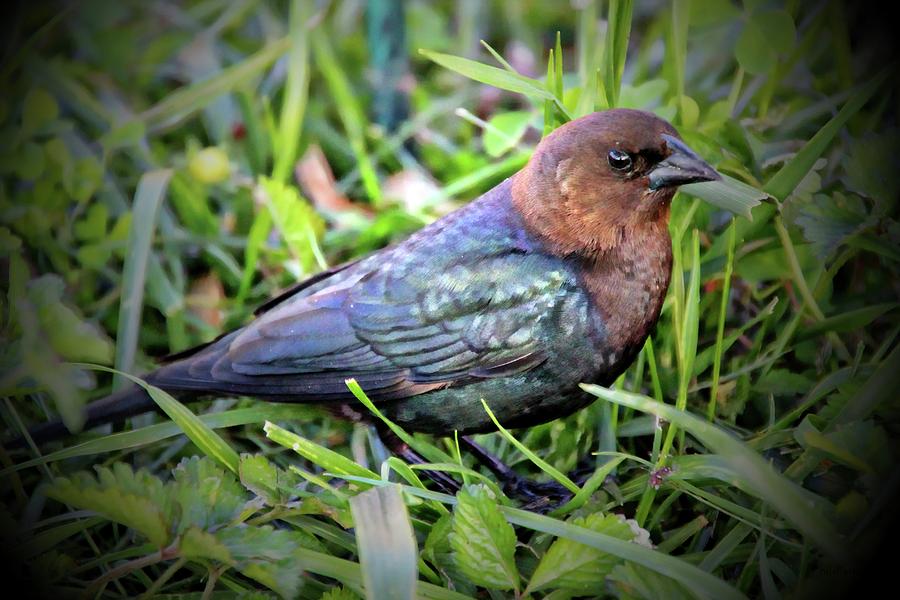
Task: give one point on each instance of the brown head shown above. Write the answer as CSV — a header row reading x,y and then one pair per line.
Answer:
x,y
596,179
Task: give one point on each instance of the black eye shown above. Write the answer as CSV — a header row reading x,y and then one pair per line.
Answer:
x,y
619,159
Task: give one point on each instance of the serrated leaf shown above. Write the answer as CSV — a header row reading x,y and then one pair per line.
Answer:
x,y
117,495
209,496
198,544
484,544
872,164
266,555
578,568
339,593
264,479
829,221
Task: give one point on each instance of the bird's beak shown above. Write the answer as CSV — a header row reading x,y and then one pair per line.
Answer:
x,y
680,167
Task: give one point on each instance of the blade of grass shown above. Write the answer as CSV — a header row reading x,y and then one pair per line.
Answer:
x,y
150,193
296,91
153,433
349,111
720,327
185,101
617,34
537,460
778,491
207,440
387,545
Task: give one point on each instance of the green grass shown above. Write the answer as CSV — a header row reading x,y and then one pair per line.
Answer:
x,y
149,200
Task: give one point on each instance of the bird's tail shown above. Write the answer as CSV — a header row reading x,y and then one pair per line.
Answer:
x,y
116,407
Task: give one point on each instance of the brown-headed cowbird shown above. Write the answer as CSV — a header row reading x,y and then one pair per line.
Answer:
x,y
552,278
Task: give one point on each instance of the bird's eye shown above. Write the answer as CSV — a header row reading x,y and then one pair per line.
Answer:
x,y
619,159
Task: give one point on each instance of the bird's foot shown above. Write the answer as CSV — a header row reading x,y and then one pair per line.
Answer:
x,y
537,496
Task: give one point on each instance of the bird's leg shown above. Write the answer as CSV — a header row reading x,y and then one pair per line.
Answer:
x,y
538,496
399,448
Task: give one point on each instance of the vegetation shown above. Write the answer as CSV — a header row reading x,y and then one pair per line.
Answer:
x,y
167,167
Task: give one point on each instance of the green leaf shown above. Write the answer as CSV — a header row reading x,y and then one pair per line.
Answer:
x,y
484,544
121,495
753,50
581,569
387,545
630,581
830,221
148,198
266,555
872,164
198,544
339,593
852,320
779,30
499,78
38,109
729,194
266,480
209,496
789,176
504,130
319,455
300,225
69,335
199,432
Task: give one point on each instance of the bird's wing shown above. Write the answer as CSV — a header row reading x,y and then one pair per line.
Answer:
x,y
399,330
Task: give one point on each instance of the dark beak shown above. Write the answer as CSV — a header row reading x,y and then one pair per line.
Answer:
x,y
680,167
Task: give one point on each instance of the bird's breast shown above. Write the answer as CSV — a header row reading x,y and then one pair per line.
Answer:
x,y
626,287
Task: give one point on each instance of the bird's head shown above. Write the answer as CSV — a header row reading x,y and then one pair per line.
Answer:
x,y
602,177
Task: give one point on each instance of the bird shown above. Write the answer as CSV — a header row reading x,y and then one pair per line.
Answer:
x,y
554,277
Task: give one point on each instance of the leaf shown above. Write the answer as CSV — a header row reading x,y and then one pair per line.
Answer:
x,y
267,555
208,495
762,480
581,569
753,50
266,480
198,544
505,130
38,109
300,225
484,544
339,593
69,335
119,494
871,166
499,78
729,194
862,445
852,320
319,455
778,27
630,581
782,382
829,221
148,198
386,542
199,432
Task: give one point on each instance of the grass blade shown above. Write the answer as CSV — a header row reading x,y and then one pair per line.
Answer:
x,y
147,200
207,440
387,545
785,496
296,92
